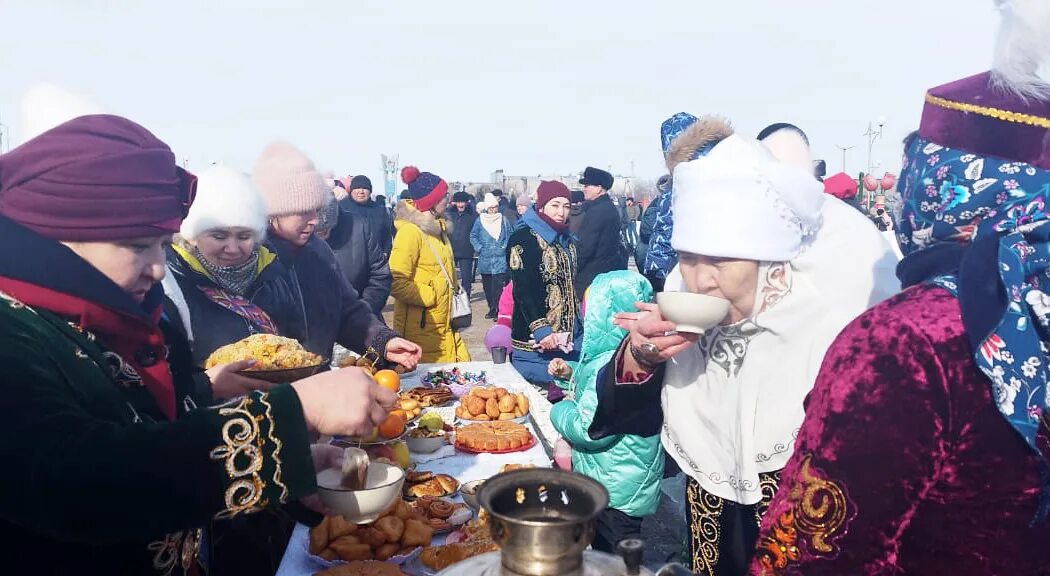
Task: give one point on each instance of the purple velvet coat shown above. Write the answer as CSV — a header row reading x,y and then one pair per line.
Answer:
x,y
904,465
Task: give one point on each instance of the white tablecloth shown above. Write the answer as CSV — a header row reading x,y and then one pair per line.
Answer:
x,y
464,467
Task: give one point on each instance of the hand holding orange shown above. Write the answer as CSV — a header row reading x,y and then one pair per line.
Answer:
x,y
388,379
392,427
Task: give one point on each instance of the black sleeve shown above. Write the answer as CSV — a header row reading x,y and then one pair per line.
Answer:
x,y
75,476
627,408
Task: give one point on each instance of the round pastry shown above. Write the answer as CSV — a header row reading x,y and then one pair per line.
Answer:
x,y
441,509
474,404
483,392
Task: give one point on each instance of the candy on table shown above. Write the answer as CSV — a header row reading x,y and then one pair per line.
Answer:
x,y
459,381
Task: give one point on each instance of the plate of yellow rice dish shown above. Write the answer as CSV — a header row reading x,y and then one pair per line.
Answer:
x,y
277,359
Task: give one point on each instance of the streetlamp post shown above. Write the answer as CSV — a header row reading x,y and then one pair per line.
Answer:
x,y
844,150
874,135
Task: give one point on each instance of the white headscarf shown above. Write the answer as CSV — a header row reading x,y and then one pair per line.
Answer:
x,y
733,404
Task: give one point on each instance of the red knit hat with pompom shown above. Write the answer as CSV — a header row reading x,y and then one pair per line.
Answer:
x,y
424,189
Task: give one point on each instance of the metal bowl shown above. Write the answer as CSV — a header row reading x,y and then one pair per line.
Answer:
x,y
469,492
542,518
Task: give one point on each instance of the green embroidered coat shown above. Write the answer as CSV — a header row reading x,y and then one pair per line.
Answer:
x,y
97,481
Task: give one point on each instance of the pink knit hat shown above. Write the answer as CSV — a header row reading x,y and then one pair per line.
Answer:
x,y
288,181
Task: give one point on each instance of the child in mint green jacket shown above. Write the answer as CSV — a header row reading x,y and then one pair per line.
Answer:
x,y
630,467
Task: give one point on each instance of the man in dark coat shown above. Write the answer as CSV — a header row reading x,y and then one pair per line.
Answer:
x,y
598,245
362,259
461,214
375,214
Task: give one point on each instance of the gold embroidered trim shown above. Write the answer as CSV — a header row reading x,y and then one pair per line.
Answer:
x,y
515,257
178,549
705,533
240,435
817,515
768,483
997,113
277,448
822,508
537,324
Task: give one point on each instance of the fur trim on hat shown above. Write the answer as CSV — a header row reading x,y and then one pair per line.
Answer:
x,y
704,132
426,221
225,198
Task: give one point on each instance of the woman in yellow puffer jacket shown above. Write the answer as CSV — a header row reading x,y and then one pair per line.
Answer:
x,y
422,292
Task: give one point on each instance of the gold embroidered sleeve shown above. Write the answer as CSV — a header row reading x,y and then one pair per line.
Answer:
x,y
255,452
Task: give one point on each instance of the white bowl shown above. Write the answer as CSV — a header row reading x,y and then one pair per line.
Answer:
x,y
425,445
695,313
382,488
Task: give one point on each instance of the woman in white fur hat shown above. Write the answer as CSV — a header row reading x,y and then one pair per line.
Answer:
x,y
220,287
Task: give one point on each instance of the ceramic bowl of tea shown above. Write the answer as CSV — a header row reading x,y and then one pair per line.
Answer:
x,y
694,313
382,487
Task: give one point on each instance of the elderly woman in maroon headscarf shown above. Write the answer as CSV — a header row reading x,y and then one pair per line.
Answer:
x,y
109,466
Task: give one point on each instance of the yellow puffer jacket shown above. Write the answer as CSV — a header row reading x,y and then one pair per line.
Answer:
x,y
422,297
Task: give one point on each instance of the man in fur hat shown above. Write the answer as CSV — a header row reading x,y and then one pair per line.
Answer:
x,y
598,245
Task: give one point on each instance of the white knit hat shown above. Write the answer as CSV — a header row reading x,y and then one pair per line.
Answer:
x,y
490,201
225,198
738,201
288,181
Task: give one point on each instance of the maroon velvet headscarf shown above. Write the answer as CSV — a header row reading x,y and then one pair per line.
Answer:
x,y
95,178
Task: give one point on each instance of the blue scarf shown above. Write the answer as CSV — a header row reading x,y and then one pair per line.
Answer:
x,y
978,226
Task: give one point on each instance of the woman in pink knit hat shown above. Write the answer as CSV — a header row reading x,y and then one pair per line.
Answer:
x,y
295,192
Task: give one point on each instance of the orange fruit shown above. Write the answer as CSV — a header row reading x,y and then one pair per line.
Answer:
x,y
401,413
388,379
392,427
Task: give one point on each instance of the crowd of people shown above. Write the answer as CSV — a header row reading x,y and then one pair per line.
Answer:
x,y
863,408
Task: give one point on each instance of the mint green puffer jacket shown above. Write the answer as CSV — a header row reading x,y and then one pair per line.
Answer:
x,y
630,467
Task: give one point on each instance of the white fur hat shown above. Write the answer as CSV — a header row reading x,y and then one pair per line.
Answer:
x,y
225,198
739,201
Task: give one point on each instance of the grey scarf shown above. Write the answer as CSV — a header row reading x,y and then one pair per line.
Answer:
x,y
234,279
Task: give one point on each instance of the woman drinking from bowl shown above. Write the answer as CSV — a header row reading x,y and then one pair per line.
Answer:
x,y
222,283
795,267
111,464
546,320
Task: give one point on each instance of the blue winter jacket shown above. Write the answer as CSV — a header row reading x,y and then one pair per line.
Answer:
x,y
661,257
492,252
630,467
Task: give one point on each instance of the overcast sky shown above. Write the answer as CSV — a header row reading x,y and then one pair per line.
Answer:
x,y
464,88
